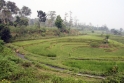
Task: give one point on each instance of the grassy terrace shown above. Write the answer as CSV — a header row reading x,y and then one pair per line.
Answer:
x,y
85,54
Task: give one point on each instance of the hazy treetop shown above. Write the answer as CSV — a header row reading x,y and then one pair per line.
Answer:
x,y
97,12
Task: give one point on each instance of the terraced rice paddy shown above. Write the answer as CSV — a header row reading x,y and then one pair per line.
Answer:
x,y
84,54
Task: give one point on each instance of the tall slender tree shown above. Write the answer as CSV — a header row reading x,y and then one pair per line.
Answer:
x,y
5,33
65,19
51,18
71,20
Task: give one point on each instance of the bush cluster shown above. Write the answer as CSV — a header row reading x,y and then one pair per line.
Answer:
x,y
5,33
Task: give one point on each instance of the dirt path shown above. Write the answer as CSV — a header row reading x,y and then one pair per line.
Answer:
x,y
21,55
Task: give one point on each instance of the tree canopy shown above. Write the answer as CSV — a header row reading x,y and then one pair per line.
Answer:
x,y
25,11
2,3
59,22
7,9
12,7
21,21
41,15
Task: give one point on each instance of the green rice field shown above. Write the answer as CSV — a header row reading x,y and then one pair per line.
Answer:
x,y
79,54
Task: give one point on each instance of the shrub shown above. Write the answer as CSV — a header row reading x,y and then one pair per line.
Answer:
x,y
106,39
94,44
107,36
92,31
5,33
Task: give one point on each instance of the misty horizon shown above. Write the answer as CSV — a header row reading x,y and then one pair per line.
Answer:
x,y
96,12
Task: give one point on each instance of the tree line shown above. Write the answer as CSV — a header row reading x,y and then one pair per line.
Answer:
x,y
11,15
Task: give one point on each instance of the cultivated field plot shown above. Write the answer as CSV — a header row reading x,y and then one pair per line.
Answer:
x,y
84,54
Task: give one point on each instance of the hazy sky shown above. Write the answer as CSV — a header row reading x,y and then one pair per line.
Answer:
x,y
97,12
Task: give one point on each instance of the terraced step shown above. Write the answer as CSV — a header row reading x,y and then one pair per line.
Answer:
x,y
63,69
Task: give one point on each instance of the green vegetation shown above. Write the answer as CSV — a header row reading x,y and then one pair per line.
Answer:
x,y
5,33
1,45
49,49
16,70
21,21
118,38
76,54
59,22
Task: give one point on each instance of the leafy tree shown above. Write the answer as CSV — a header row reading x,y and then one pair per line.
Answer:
x,y
115,32
5,33
24,21
41,15
104,28
25,11
12,7
59,22
5,15
7,9
21,21
2,3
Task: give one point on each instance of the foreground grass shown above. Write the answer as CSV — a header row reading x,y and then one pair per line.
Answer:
x,y
78,54
55,51
16,70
